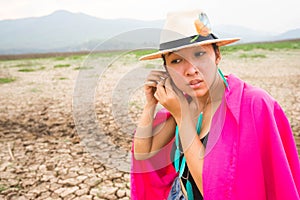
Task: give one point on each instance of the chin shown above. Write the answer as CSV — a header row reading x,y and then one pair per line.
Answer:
x,y
197,93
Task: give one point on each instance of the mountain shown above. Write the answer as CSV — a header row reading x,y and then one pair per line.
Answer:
x,y
246,34
64,31
292,34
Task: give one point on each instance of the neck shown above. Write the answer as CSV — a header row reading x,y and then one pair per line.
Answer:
x,y
217,90
209,103
203,101
213,96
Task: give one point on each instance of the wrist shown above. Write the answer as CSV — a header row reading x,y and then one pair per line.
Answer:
x,y
146,117
183,119
150,106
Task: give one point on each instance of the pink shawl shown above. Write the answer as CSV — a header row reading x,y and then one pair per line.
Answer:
x,y
250,154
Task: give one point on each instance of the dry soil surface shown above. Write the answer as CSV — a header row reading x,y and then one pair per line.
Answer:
x,y
49,148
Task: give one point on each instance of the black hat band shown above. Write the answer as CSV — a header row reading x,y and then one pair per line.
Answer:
x,y
185,41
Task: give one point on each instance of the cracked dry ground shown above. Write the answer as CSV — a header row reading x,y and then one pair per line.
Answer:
x,y
42,156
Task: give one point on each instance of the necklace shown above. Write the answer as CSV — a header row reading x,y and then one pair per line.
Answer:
x,y
180,167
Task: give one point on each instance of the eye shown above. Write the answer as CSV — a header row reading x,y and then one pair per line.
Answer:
x,y
199,53
175,61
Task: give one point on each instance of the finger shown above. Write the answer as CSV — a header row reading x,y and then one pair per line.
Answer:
x,y
168,86
159,72
150,83
156,76
156,96
162,74
161,84
168,83
171,86
161,90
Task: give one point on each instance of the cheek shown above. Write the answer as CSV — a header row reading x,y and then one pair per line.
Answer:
x,y
177,79
210,78
208,71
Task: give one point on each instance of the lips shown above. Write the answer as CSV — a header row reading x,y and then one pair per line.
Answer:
x,y
196,83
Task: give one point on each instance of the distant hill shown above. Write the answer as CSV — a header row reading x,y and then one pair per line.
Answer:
x,y
292,34
246,34
64,31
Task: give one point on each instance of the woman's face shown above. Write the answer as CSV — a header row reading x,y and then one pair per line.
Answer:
x,y
193,70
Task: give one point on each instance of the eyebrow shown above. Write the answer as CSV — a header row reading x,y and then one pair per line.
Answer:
x,y
170,53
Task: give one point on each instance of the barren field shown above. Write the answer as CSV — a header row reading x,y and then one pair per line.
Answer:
x,y
66,122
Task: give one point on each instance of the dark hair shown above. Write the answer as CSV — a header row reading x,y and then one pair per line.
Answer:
x,y
215,47
164,60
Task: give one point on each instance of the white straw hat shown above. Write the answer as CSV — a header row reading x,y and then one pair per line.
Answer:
x,y
186,29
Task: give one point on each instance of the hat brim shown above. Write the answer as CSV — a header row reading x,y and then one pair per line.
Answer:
x,y
218,42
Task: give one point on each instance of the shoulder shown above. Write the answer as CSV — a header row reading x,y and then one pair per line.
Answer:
x,y
256,95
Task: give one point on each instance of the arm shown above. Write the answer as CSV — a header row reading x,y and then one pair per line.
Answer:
x,y
174,101
148,140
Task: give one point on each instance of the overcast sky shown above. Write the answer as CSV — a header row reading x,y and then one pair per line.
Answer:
x,y
275,16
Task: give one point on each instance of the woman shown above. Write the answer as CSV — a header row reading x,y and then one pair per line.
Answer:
x,y
217,138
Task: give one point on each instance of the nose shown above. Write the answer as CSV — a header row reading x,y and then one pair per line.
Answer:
x,y
191,69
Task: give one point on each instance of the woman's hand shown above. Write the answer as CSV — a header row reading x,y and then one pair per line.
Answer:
x,y
168,95
151,83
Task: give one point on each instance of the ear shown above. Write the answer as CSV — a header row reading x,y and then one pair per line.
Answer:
x,y
218,56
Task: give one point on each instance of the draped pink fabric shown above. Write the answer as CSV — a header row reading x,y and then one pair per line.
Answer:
x,y
250,153
152,178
